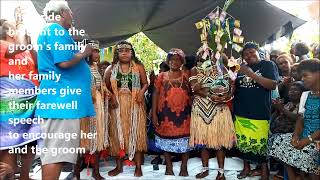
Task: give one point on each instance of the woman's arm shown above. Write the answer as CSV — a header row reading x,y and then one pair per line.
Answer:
x,y
297,131
77,57
155,100
316,135
306,141
143,78
107,76
106,79
144,84
299,126
289,114
197,87
264,82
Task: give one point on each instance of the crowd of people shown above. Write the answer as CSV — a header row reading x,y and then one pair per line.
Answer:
x,y
267,107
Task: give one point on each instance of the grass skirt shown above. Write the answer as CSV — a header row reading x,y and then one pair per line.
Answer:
x,y
220,133
125,114
94,125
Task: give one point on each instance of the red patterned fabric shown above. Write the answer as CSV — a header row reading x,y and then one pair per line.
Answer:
x,y
174,106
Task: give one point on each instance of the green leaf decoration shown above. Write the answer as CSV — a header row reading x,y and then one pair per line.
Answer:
x,y
249,125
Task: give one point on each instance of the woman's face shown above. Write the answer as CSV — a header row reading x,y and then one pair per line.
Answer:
x,y
95,55
295,74
175,62
125,55
283,64
294,93
292,50
251,56
310,79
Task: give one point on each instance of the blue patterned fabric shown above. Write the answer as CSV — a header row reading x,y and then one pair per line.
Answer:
x,y
311,115
180,145
151,138
17,133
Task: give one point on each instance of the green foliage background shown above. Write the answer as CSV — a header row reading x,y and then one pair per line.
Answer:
x,y
147,51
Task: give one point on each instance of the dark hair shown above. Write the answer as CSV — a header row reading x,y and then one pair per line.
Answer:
x,y
116,53
316,51
191,61
299,84
90,59
164,66
310,65
301,48
2,21
295,65
249,45
103,63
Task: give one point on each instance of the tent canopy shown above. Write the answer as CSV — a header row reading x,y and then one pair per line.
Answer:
x,y
170,23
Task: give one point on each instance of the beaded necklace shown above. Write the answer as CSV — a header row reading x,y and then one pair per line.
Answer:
x,y
180,79
125,77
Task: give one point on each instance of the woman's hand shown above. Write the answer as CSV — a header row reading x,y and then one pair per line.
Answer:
x,y
244,69
140,97
6,171
107,94
197,87
113,102
287,80
216,98
155,120
278,104
318,145
302,143
221,99
295,141
93,92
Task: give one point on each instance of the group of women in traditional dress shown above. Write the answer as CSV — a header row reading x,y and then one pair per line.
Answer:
x,y
210,107
190,111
